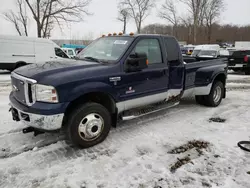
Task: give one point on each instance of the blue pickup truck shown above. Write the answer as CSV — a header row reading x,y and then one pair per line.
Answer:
x,y
115,78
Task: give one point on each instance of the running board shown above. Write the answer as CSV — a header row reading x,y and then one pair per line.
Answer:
x,y
139,112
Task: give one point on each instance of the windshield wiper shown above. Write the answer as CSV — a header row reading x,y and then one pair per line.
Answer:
x,y
93,59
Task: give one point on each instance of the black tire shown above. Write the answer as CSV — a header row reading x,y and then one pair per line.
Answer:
x,y
18,65
209,99
235,70
247,72
200,99
76,116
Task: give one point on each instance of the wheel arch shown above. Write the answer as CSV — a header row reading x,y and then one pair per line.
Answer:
x,y
20,63
222,78
102,98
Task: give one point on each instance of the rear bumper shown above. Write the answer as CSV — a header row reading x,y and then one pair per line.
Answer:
x,y
238,65
36,118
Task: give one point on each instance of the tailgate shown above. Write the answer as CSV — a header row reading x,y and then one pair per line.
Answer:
x,y
238,57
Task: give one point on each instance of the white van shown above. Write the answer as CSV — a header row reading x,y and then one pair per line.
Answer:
x,y
242,45
70,52
16,51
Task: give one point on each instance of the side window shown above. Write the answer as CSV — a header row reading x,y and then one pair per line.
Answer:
x,y
60,53
152,48
173,49
70,52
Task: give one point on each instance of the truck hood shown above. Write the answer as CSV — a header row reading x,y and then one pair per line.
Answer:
x,y
56,69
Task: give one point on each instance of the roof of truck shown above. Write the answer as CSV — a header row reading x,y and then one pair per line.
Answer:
x,y
135,35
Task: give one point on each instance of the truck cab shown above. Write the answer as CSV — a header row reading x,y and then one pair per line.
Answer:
x,y
114,78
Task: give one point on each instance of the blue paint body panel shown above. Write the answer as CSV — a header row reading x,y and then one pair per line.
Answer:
x,y
73,79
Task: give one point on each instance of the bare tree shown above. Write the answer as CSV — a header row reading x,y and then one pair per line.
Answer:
x,y
13,18
138,10
196,8
212,12
168,12
123,17
47,13
19,19
188,24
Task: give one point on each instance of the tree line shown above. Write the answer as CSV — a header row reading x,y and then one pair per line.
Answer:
x,y
219,33
200,15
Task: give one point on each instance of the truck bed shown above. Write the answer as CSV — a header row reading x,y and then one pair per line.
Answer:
x,y
200,73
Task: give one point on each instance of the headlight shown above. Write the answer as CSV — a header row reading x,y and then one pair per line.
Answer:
x,y
44,93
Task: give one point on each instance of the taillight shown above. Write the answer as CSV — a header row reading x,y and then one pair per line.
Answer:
x,y
246,59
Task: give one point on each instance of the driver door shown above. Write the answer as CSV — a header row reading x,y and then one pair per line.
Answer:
x,y
149,85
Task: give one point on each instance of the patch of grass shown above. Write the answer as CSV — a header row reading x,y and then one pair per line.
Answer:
x,y
180,163
190,145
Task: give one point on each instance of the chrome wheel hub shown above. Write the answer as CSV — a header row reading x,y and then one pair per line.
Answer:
x,y
217,94
91,127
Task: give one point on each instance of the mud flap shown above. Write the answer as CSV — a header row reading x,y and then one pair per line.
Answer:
x,y
225,93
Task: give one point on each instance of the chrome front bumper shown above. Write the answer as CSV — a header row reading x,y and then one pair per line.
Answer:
x,y
41,122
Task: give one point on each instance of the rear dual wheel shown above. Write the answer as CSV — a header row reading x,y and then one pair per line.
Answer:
x,y
215,96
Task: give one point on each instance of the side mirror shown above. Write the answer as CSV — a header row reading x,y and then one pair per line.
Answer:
x,y
136,62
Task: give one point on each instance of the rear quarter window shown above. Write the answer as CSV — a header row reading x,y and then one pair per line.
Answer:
x,y
173,49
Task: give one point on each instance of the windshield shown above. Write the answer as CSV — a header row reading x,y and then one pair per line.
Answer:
x,y
208,53
106,49
60,53
196,52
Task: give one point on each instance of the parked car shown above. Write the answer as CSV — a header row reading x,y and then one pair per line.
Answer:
x,y
239,60
70,52
208,51
116,78
17,51
187,49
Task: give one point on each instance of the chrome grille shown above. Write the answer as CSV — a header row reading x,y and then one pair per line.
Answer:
x,y
21,87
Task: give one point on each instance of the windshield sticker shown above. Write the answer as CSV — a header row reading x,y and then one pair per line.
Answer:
x,y
120,42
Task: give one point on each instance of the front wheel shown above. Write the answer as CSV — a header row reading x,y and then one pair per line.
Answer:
x,y
88,125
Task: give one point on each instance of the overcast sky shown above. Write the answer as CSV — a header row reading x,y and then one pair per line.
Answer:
x,y
104,19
